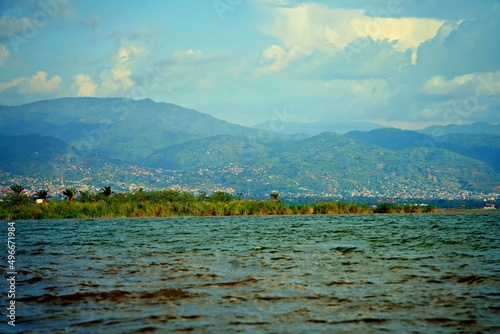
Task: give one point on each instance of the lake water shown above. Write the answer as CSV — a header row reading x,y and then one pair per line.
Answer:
x,y
293,274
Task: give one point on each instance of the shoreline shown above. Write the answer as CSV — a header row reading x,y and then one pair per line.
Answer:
x,y
467,211
436,213
173,203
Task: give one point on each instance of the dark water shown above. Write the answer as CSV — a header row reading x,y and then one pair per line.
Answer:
x,y
301,274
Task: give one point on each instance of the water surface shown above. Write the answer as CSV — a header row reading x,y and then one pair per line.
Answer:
x,y
296,274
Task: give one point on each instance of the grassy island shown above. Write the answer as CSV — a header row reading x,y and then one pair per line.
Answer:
x,y
171,203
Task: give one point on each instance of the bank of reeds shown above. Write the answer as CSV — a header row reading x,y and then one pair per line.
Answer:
x,y
171,203
408,208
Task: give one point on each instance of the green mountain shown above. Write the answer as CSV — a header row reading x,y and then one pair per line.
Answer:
x,y
391,138
33,154
315,128
334,162
479,146
90,143
117,128
474,128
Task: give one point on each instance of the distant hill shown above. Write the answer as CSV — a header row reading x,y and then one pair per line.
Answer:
x,y
475,128
483,147
130,144
316,128
209,152
108,126
391,138
335,162
32,154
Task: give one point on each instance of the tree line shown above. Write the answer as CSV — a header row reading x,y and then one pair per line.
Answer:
x,y
168,203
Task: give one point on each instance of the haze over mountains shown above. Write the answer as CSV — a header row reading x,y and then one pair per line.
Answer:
x,y
316,128
89,143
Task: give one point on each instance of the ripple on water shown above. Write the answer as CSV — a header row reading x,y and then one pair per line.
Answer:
x,y
394,273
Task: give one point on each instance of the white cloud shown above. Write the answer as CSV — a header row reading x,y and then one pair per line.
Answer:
x,y
118,78
13,83
114,80
458,49
317,27
273,2
85,85
275,58
191,52
439,85
4,54
37,84
472,84
454,110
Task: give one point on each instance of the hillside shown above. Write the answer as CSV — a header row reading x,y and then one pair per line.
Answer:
x,y
474,128
478,146
90,143
34,155
333,162
107,127
315,128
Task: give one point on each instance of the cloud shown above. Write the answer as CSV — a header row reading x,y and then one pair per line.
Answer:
x,y
85,85
118,78
437,9
180,72
456,76
343,61
473,46
467,96
32,8
472,84
27,17
93,23
275,58
363,59
331,30
10,26
442,9
4,54
191,52
37,84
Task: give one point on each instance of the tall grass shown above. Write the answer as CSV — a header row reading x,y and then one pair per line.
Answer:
x,y
170,203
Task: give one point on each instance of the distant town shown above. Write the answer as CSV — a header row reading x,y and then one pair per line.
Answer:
x,y
253,183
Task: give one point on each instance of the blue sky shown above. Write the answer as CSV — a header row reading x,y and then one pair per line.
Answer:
x,y
403,63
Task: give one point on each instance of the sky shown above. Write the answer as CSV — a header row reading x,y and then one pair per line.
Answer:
x,y
401,63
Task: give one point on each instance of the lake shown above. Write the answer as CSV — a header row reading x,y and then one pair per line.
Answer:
x,y
286,274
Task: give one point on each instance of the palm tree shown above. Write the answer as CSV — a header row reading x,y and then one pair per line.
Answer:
x,y
275,196
43,195
17,189
17,195
239,196
86,196
106,191
70,194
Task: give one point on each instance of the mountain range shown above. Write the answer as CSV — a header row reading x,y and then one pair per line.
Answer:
x,y
89,143
315,128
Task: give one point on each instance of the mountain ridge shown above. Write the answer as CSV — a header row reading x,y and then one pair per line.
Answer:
x,y
104,126
128,144
315,128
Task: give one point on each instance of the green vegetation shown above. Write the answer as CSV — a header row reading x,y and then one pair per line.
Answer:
x,y
42,195
167,203
17,196
70,194
397,208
